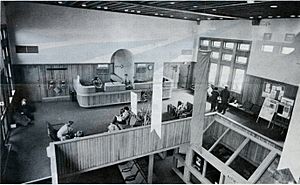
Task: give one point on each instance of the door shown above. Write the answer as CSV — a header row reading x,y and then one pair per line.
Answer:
x,y
184,72
30,83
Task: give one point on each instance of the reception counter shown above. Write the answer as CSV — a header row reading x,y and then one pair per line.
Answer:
x,y
87,96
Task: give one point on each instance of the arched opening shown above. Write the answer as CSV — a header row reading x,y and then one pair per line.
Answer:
x,y
123,64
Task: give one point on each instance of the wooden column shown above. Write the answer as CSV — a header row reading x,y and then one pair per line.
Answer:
x,y
291,149
150,168
53,165
201,85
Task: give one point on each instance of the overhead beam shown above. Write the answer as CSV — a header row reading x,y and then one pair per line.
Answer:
x,y
262,167
182,11
208,126
237,151
219,139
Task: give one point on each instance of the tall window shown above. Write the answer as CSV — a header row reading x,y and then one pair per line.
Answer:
x,y
212,73
228,62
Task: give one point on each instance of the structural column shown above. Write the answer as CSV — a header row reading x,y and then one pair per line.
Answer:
x,y
291,149
201,85
150,169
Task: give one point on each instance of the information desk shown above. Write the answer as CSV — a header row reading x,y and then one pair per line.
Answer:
x,y
88,97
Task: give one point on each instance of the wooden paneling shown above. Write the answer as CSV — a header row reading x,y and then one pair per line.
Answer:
x,y
97,150
24,74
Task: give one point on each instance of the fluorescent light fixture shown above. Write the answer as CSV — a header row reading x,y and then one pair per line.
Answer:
x,y
171,15
278,16
126,10
98,6
156,14
60,2
292,16
270,16
214,10
132,11
273,6
195,6
105,7
185,17
198,19
83,5
172,2
250,17
161,14
260,16
138,11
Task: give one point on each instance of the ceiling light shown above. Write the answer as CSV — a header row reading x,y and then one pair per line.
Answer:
x,y
250,17
132,11
98,6
208,18
185,17
273,6
156,14
171,15
214,10
105,7
198,19
270,16
221,18
161,14
195,6
83,5
138,11
60,2
278,16
172,2
126,10
298,16
293,16
260,16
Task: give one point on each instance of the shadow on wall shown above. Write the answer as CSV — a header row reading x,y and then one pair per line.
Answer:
x,y
123,63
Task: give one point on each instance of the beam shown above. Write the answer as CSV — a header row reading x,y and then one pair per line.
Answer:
x,y
182,11
220,138
262,167
237,151
208,126
150,169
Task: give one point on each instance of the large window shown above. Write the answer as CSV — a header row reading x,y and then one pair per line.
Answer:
x,y
238,80
228,64
212,73
224,76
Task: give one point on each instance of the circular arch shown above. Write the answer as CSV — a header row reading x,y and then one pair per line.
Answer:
x,y
123,63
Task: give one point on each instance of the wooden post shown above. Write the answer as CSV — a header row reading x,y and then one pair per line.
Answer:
x,y
201,85
150,168
53,164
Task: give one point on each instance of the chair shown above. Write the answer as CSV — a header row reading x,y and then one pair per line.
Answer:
x,y
52,132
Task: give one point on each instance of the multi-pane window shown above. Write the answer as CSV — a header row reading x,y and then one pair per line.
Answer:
x,y
238,80
212,73
227,57
224,75
215,55
228,62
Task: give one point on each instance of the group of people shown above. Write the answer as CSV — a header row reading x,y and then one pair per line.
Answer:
x,y
118,120
219,100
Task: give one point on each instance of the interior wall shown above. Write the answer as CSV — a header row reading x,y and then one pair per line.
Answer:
x,y
72,35
273,66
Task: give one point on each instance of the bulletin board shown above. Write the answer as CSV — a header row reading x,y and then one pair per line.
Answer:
x,y
268,109
273,91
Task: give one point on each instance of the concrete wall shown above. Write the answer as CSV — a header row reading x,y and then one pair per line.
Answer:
x,y
274,66
69,35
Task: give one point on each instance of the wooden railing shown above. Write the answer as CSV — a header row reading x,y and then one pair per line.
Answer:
x,y
96,151
88,97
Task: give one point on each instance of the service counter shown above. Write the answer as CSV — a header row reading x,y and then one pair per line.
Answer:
x,y
87,96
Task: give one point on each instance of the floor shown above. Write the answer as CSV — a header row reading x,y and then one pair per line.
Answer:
x,y
28,159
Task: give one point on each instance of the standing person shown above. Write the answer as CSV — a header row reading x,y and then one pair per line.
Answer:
x,y
214,99
225,94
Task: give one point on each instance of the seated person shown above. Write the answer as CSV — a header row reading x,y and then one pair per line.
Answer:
x,y
123,117
26,109
78,134
66,131
112,127
97,82
139,119
180,108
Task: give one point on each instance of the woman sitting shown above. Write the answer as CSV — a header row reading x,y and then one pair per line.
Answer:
x,y
123,117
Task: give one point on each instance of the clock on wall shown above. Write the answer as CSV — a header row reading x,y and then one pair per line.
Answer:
x,y
150,67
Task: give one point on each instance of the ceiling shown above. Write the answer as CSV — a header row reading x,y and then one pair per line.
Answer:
x,y
193,10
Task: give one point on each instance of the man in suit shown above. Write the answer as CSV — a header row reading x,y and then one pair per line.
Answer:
x,y
214,99
225,94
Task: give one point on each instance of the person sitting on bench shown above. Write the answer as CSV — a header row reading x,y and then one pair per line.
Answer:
x,y
112,127
123,117
66,131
